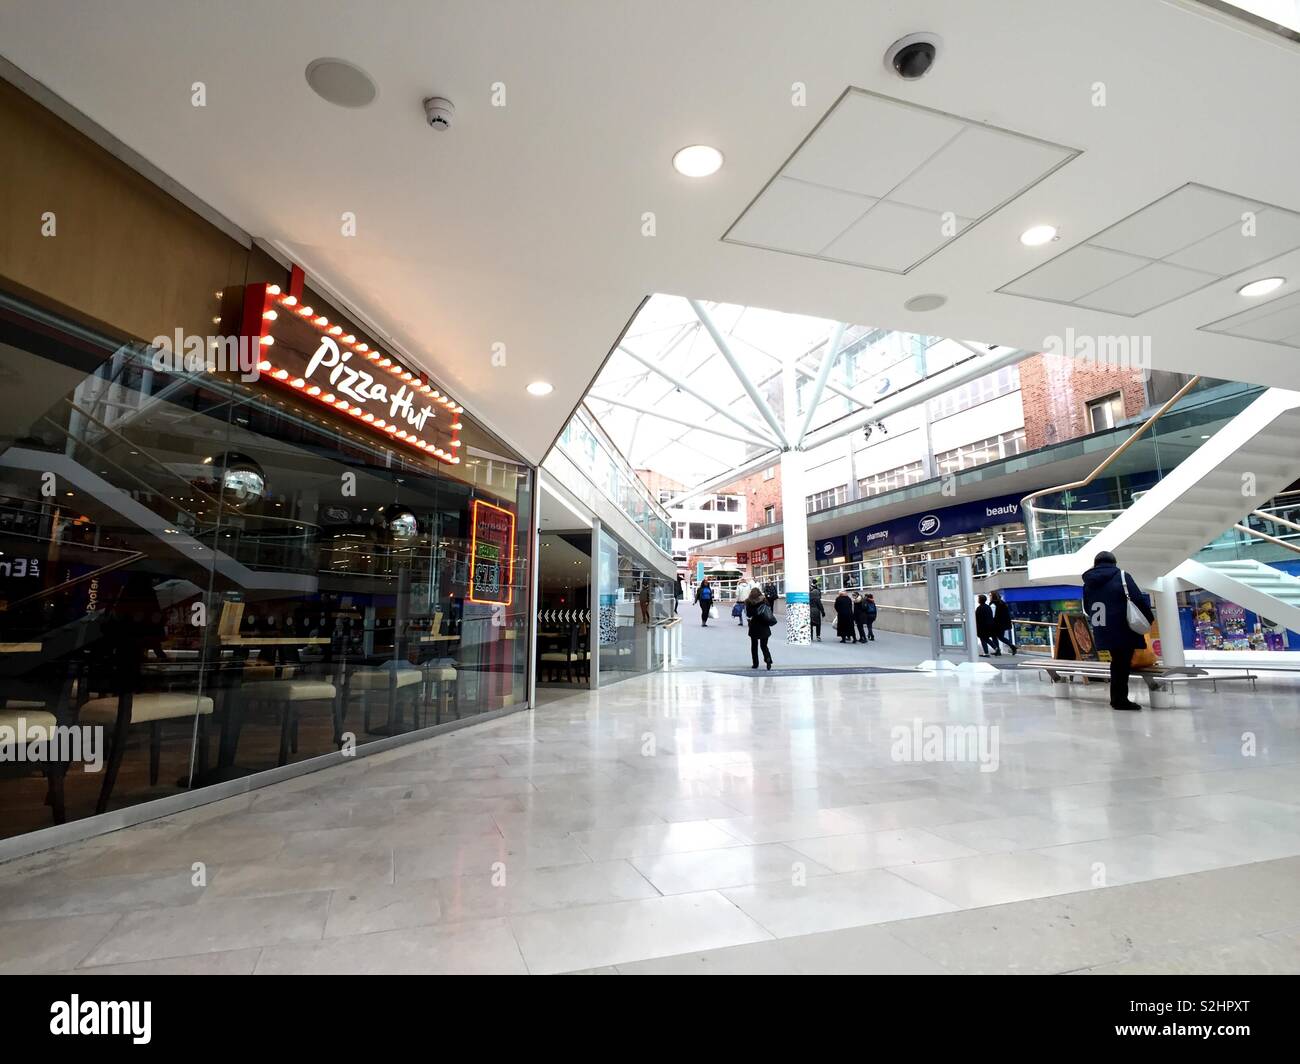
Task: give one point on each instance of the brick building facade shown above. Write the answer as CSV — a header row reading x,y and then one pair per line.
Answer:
x,y
1056,391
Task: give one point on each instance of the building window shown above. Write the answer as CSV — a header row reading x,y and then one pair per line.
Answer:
x,y
824,500
724,531
769,515
981,452
679,529
665,496
697,531
733,504
769,473
879,483
1106,413
980,390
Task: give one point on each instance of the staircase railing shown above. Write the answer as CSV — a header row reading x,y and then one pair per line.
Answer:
x,y
1031,513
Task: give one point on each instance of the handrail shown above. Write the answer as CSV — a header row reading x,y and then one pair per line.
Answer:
x,y
1266,516
1106,462
1264,535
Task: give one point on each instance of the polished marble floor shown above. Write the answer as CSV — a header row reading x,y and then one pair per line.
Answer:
x,y
696,821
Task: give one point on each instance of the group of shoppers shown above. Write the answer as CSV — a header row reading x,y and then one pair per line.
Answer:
x,y
993,625
855,616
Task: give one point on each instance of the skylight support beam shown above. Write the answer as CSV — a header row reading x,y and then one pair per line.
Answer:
x,y
753,440
829,359
750,389
679,382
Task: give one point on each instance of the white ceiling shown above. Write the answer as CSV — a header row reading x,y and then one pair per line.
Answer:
x,y
523,225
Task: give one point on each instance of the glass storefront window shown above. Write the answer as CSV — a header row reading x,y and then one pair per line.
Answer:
x,y
219,578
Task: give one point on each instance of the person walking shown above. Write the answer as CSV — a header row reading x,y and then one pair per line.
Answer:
x,y
984,628
761,619
679,593
1002,631
1107,592
860,616
704,599
769,593
844,617
742,593
872,610
816,611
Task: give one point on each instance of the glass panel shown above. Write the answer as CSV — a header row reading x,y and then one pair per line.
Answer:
x,y
203,577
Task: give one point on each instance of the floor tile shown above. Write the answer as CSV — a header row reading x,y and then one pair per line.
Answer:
x,y
594,935
825,903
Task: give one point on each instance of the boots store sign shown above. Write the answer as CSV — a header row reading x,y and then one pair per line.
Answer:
x,y
935,524
302,349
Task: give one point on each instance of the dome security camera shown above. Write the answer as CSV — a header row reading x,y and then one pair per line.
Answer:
x,y
438,112
911,57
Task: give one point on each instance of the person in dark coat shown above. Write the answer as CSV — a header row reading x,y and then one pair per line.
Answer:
x,y
704,599
844,617
872,610
816,611
984,628
1001,621
860,616
679,593
1105,599
769,593
760,625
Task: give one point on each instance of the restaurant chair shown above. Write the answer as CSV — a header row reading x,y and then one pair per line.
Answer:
x,y
389,685
128,708
285,695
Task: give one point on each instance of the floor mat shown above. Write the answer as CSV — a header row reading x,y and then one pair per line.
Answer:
x,y
830,670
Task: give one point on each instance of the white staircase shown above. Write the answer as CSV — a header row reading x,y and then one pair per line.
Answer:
x,y
1253,457
1260,588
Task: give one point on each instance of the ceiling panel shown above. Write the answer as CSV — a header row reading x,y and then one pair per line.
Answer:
x,y
1277,321
1075,273
795,216
1183,217
1229,250
1184,242
891,237
978,170
936,175
1150,286
868,144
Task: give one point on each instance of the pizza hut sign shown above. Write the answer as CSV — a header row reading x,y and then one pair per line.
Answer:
x,y
327,363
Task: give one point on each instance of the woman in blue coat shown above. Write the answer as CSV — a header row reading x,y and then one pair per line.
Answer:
x,y
1105,599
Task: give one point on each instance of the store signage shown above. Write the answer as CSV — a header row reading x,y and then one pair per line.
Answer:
x,y
828,549
492,554
778,554
742,557
762,556
327,362
950,521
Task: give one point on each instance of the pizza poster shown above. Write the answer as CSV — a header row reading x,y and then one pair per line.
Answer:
x,y
492,554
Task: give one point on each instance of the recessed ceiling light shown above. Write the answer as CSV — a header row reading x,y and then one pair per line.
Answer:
x,y
1261,287
340,82
1038,235
930,301
698,160
540,388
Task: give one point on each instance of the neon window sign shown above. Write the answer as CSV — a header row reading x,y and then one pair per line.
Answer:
x,y
491,554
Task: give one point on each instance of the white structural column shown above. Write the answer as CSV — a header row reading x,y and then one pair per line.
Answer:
x,y
794,523
1164,596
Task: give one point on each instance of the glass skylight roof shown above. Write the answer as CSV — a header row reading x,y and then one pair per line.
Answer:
x,y
658,424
